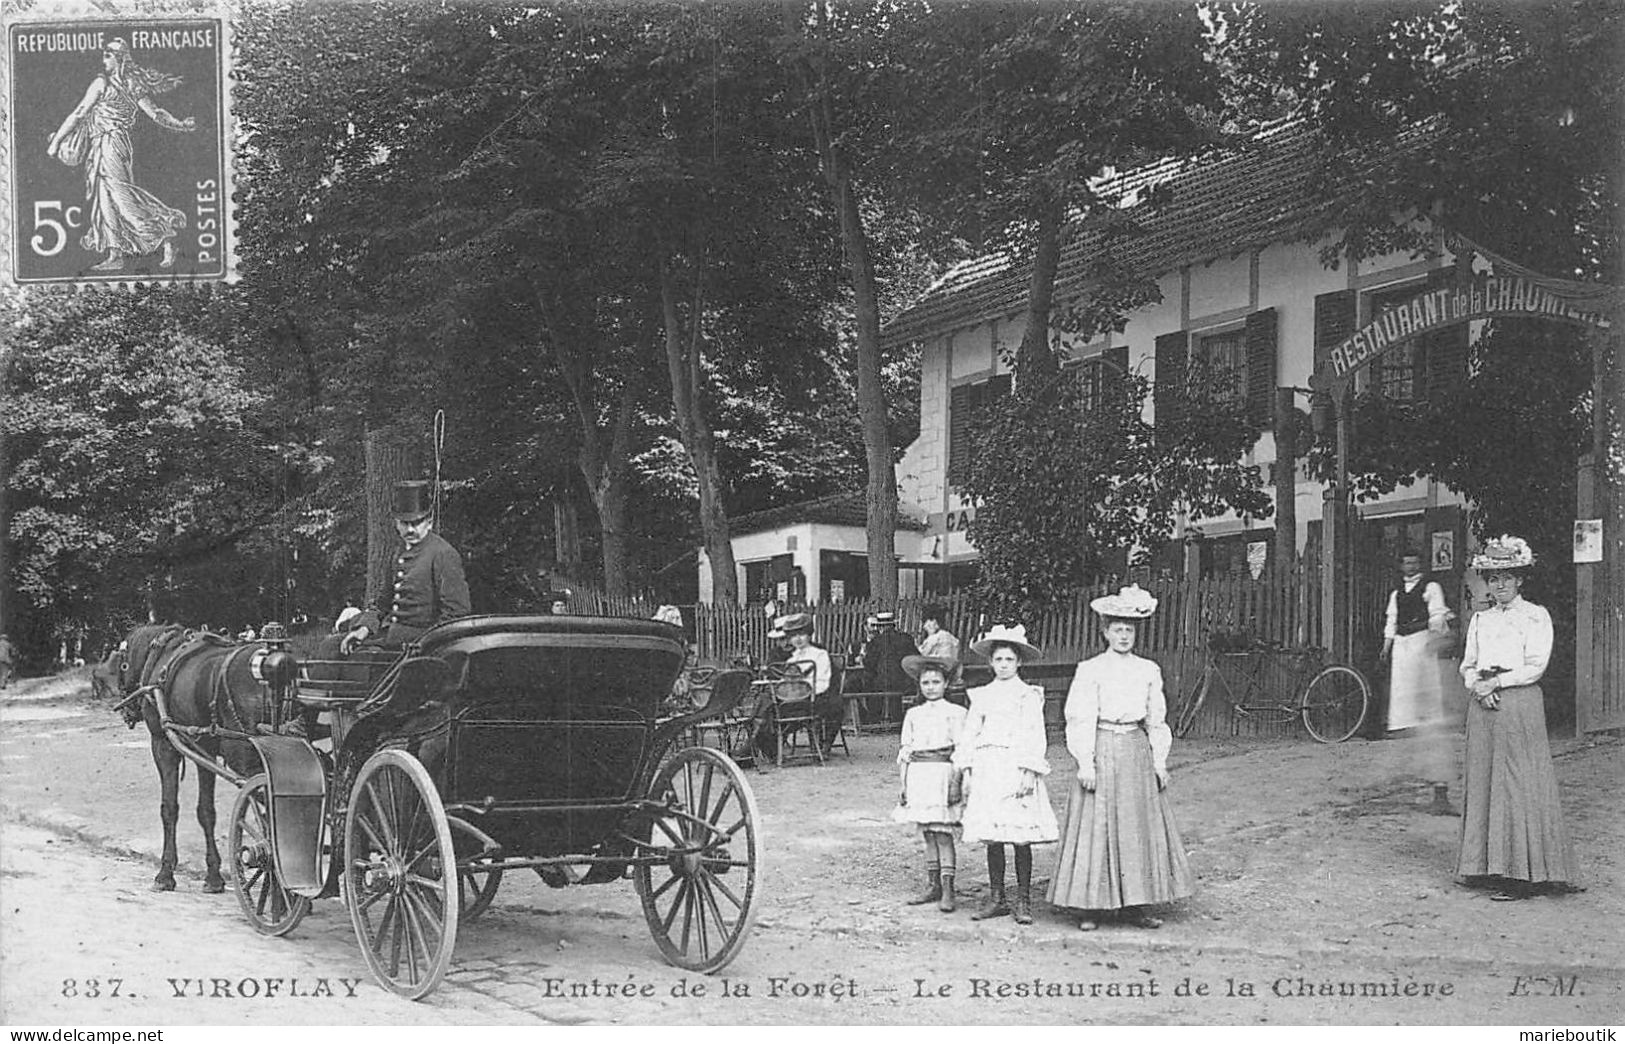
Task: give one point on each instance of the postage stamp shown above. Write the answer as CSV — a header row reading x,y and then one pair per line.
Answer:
x,y
117,148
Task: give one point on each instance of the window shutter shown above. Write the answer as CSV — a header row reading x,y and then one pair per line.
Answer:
x,y
962,402
1116,370
1334,320
1173,356
1445,355
1261,367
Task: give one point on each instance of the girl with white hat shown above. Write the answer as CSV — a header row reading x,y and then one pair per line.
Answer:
x,y
1002,752
1512,832
1120,849
931,795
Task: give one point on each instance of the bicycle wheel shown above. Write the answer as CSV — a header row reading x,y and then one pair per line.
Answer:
x,y
1334,703
1184,718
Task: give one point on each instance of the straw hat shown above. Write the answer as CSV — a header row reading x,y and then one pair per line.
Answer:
x,y
777,630
1000,634
886,619
796,623
1503,553
916,665
1130,603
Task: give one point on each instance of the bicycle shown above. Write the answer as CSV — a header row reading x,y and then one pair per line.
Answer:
x,y
1332,704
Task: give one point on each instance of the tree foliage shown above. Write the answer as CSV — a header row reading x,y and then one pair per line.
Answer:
x,y
1062,480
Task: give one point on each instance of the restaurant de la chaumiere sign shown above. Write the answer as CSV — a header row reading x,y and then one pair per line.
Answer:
x,y
1484,297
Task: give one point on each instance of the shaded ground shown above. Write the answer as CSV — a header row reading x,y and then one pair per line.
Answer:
x,y
1314,862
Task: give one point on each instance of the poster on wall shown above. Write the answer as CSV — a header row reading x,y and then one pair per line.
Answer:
x,y
1444,551
1587,540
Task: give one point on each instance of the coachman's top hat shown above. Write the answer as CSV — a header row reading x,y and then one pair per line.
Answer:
x,y
412,502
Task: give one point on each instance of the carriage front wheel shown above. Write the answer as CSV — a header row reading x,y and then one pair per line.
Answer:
x,y
701,873
400,874
271,908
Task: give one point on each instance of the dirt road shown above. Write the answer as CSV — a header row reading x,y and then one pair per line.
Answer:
x,y
1318,876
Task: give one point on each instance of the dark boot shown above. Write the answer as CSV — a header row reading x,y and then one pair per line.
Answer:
x,y
933,891
1441,801
1024,904
946,904
995,905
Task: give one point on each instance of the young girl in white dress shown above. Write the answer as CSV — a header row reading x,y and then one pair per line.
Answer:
x,y
930,794
1002,752
1120,849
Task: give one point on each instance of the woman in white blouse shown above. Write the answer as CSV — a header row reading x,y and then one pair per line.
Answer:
x,y
1512,833
1120,848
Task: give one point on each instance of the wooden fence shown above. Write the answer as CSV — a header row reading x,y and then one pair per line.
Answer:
x,y
1282,606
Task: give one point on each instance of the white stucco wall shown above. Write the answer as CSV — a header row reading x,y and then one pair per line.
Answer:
x,y
1203,297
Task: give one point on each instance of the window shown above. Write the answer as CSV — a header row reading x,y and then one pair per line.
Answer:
x,y
1218,368
1097,377
967,405
1395,373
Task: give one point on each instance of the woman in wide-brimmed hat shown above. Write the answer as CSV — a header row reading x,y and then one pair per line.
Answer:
x,y
1002,751
1512,832
930,796
1120,848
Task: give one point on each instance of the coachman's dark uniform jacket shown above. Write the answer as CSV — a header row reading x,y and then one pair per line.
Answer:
x,y
428,587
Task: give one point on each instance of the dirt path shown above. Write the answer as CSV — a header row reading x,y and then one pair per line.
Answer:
x,y
1314,864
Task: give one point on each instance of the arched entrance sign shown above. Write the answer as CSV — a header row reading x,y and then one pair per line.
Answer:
x,y
1515,292
1482,297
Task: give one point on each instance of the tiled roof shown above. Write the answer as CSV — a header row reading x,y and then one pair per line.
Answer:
x,y
1218,205
838,509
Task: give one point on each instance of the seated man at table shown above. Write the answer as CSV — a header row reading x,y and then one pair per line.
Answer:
x,y
798,628
883,665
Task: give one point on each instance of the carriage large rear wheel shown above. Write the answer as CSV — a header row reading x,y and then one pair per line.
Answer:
x,y
700,896
400,874
271,908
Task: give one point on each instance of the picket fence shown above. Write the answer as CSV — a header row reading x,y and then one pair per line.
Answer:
x,y
1282,607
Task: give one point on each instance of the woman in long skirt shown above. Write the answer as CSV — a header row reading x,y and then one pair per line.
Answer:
x,y
1512,832
1120,848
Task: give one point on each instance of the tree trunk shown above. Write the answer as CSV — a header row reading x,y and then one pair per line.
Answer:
x,y
880,499
567,538
1286,480
389,460
1036,363
683,362
604,464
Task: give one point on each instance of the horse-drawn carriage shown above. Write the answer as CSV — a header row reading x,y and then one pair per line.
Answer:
x,y
493,744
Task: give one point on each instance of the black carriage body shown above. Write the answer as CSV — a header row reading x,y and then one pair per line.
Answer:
x,y
549,728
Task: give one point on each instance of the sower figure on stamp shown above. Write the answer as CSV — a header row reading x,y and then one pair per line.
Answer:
x,y
1415,634
124,218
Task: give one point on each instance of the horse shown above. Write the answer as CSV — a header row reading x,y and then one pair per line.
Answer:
x,y
204,680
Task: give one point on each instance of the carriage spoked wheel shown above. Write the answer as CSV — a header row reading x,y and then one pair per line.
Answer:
x,y
700,889
271,908
1334,703
400,874
476,888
